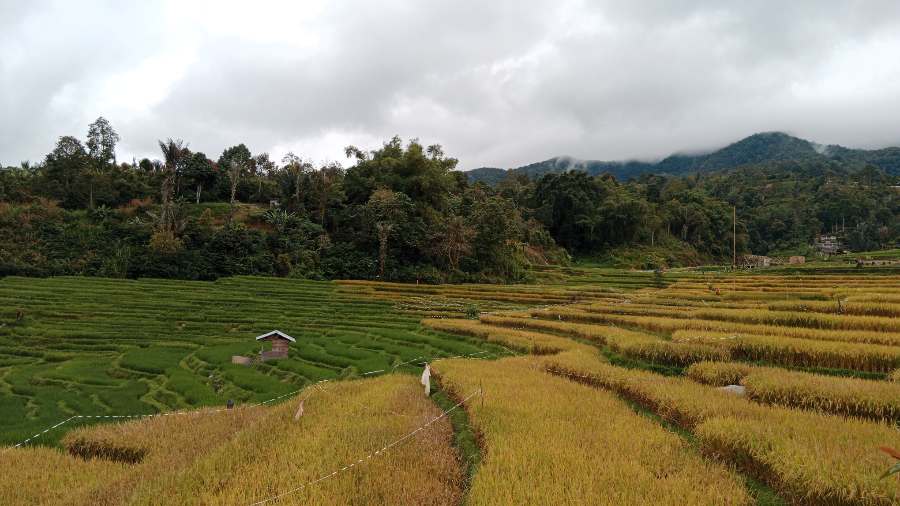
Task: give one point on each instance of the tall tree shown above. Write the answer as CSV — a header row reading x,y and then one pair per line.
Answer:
x,y
173,151
386,210
101,145
65,172
298,169
199,170
454,241
101,142
240,153
235,168
326,182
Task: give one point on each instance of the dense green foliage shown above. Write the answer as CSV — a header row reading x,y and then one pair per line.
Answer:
x,y
781,205
785,204
402,212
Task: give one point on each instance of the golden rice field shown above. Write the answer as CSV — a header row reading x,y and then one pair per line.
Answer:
x,y
592,393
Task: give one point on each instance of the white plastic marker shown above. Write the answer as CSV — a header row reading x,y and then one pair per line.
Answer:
x,y
426,379
359,462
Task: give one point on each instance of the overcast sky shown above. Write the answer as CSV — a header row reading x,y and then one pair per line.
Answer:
x,y
497,83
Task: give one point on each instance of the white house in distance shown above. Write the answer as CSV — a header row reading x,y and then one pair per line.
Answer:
x,y
280,342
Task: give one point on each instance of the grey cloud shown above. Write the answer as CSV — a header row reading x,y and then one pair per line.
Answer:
x,y
497,83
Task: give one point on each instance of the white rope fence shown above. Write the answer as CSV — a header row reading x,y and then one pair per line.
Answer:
x,y
197,412
359,462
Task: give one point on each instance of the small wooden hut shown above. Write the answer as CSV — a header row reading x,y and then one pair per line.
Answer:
x,y
280,342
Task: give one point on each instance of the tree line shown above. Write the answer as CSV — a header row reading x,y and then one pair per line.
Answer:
x,y
401,212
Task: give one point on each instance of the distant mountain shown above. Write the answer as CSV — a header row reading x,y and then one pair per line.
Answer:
x,y
758,148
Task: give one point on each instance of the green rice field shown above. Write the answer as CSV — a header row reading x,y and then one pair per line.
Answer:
x,y
94,346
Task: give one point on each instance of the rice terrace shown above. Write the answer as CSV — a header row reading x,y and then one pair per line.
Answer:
x,y
413,253
615,371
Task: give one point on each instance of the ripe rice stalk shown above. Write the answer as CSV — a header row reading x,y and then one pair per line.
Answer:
x,y
718,374
798,352
877,400
852,307
669,325
637,345
601,453
244,455
809,458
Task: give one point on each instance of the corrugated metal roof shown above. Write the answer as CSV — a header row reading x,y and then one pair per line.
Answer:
x,y
276,333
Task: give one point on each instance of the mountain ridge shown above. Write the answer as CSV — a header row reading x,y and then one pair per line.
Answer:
x,y
757,148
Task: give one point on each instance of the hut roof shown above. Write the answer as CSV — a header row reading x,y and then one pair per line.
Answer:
x,y
276,333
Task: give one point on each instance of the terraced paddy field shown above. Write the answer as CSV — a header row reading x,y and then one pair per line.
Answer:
x,y
574,392
815,358
91,346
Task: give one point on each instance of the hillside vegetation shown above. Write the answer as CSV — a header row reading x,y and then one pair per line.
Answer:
x,y
757,148
403,213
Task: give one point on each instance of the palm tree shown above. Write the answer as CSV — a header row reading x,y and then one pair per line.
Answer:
x,y
172,151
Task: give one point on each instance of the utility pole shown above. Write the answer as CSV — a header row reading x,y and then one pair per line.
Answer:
x,y
734,236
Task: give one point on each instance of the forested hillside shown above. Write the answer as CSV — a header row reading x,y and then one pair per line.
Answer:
x,y
758,148
402,212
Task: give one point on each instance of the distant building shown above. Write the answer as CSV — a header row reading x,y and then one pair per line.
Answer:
x,y
280,342
828,244
797,259
755,261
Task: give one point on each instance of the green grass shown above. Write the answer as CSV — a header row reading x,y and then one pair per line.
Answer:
x,y
465,439
94,346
